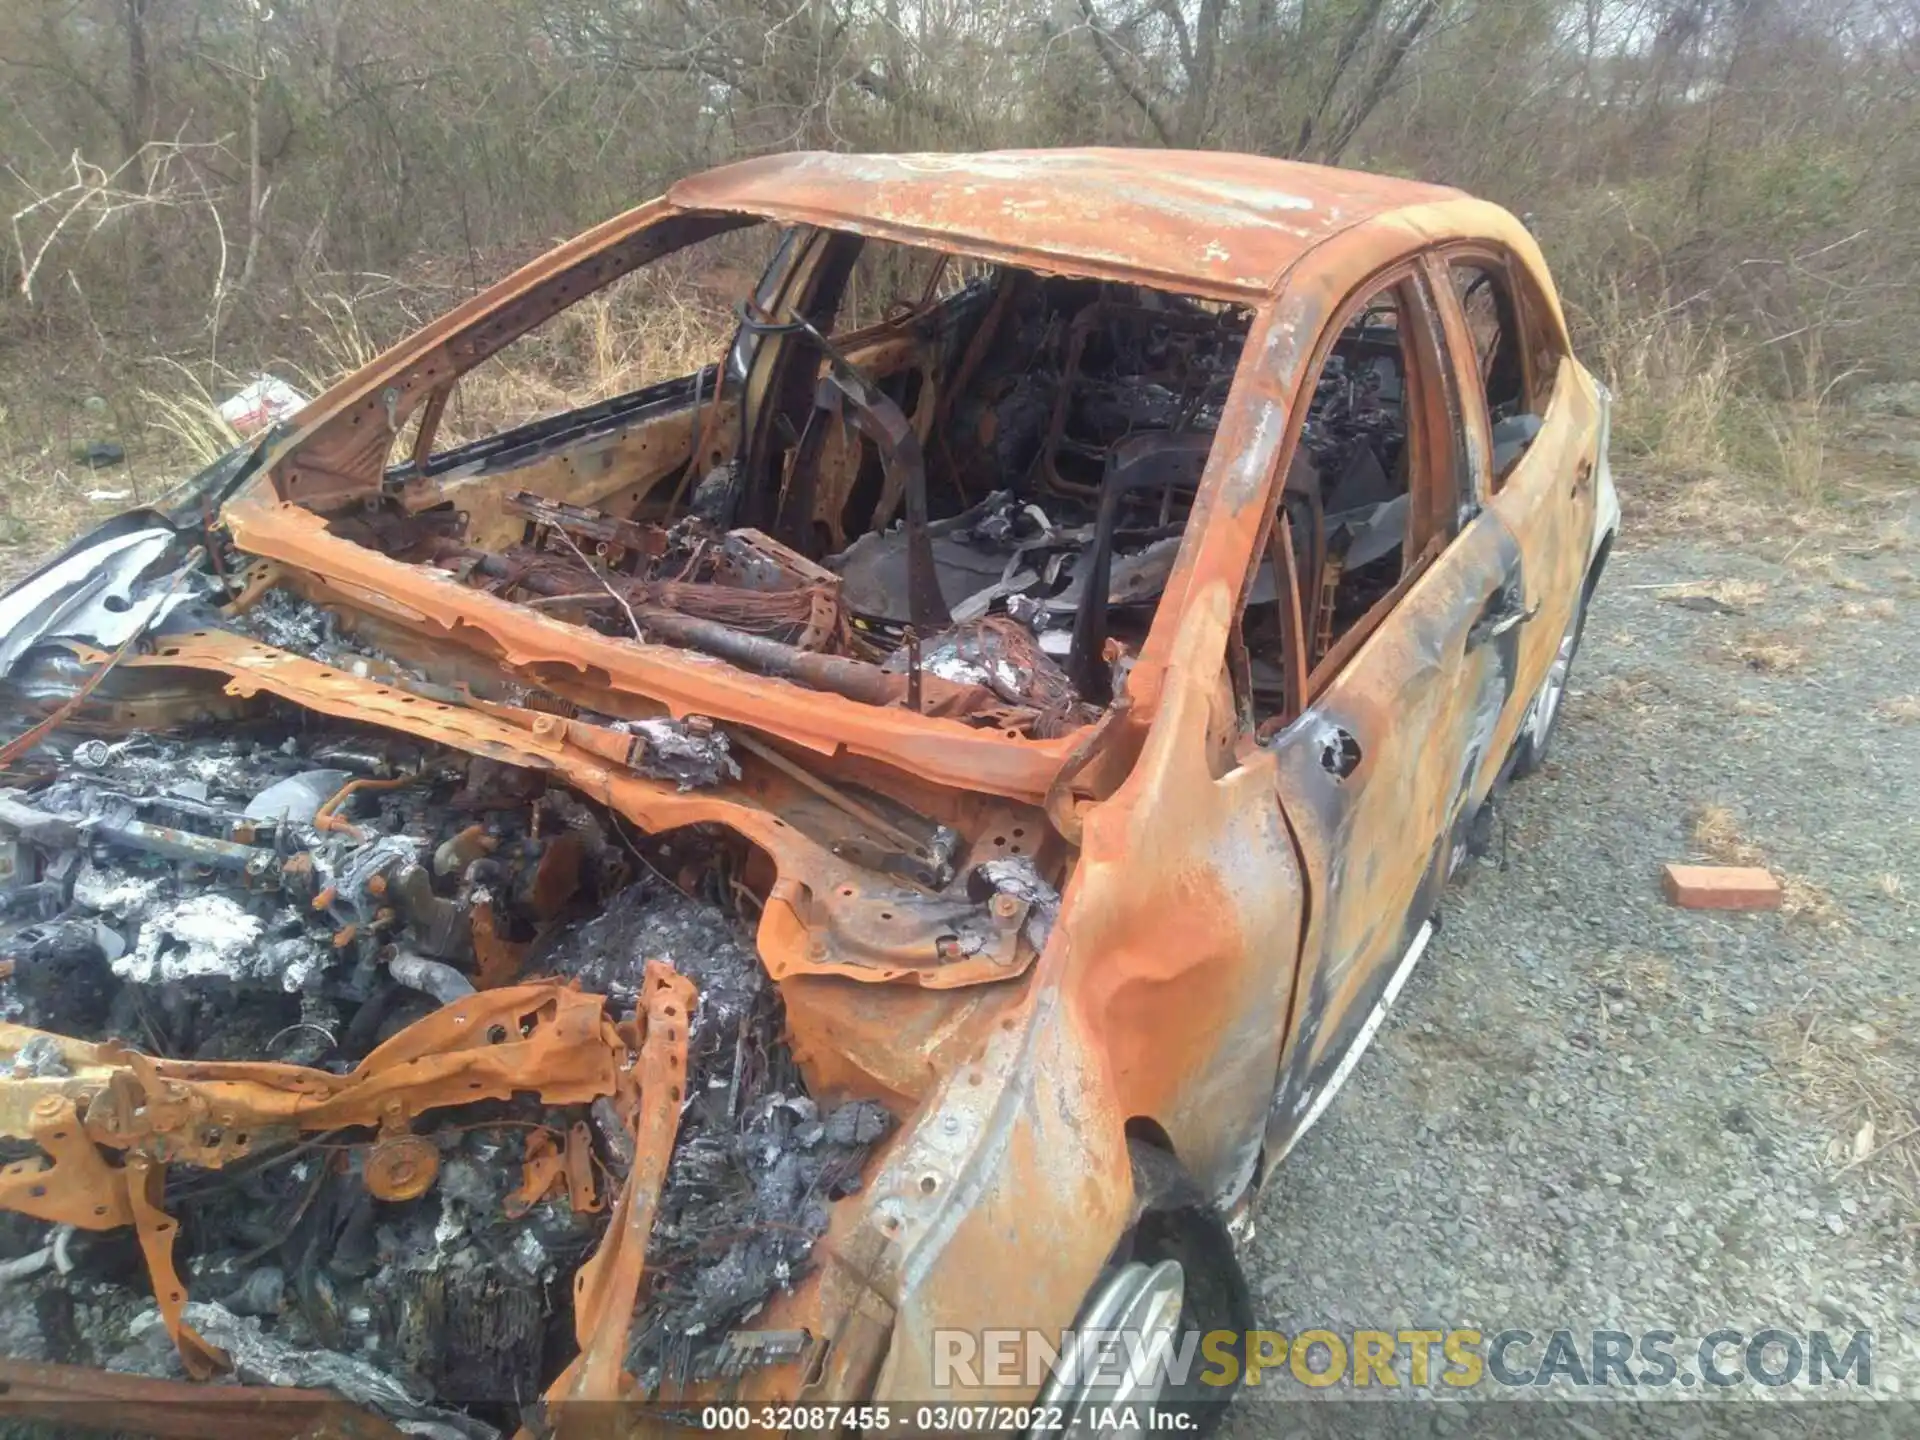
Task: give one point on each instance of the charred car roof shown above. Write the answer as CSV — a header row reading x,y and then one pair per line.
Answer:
x,y
1210,223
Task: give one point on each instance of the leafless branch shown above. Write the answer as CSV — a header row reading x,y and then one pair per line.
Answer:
x,y
96,196
1121,65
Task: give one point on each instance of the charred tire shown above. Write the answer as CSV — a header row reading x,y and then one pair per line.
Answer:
x,y
1178,1232
1536,731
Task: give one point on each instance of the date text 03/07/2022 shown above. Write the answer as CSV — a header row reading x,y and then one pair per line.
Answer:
x,y
942,1419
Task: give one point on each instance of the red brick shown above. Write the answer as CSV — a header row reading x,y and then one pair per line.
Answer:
x,y
1721,887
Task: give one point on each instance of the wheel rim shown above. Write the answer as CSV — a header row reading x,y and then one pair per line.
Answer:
x,y
1138,1299
1548,705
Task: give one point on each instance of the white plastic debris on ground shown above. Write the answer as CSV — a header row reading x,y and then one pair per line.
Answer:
x,y
267,400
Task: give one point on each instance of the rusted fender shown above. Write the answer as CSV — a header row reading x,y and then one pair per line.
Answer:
x,y
1162,995
1004,1202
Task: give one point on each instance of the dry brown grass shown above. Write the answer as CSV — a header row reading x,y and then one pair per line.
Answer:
x,y
1716,834
1881,609
1734,594
1663,502
1811,564
47,496
650,326
1861,1075
1809,903
1771,654
1673,386
1721,457
1789,447
1902,708
1626,697
187,415
642,330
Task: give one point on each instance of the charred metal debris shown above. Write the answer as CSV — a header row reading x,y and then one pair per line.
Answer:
x,y
314,1070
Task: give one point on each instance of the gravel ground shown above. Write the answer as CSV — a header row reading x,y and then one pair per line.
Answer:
x,y
1590,1110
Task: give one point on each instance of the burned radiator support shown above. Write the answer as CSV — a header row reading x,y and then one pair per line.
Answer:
x,y
607,1287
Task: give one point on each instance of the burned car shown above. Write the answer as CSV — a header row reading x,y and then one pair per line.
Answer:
x,y
896,832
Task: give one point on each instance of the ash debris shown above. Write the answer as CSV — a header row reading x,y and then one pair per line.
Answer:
x,y
288,621
756,1163
261,1358
285,621
299,892
747,1196
693,753
268,896
181,891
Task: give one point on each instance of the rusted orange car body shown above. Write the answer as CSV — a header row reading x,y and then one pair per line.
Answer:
x,y
1241,893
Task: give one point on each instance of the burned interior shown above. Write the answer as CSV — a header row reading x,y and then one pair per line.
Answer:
x,y
358,1038
966,503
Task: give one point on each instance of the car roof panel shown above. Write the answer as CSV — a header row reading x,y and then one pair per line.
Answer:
x,y
1204,222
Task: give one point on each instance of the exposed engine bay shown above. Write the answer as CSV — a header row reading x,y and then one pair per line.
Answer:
x,y
317,990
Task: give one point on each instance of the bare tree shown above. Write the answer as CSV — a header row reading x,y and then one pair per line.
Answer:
x,y
1698,157
1330,66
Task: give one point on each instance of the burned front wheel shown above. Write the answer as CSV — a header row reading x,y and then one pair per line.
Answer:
x,y
1536,731
1161,1336
1128,1334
